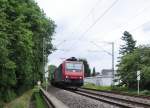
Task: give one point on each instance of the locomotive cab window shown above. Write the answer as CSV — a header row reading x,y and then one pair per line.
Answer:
x,y
74,67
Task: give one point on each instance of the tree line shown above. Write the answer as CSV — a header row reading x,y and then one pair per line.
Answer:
x,y
25,33
132,59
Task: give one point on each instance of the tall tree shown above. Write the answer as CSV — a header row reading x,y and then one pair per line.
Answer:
x,y
127,62
127,69
87,69
129,45
94,72
51,69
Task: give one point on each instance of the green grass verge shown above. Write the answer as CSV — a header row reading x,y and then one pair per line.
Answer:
x,y
24,100
21,102
93,86
39,101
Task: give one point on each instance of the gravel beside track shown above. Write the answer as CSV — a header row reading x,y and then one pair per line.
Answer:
x,y
131,98
77,101
119,93
133,102
141,99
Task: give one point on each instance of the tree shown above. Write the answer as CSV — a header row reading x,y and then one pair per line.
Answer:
x,y
87,70
127,69
139,59
144,66
127,63
94,72
51,69
23,27
129,44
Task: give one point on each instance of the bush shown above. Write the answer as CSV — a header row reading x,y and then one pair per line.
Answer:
x,y
145,92
8,95
93,86
121,88
1,104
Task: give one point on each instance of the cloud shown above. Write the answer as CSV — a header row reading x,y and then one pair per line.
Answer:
x,y
146,27
73,20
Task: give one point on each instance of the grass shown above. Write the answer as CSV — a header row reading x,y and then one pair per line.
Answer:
x,y
21,102
39,101
93,86
24,100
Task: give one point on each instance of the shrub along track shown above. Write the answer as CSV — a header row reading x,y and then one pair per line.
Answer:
x,y
120,100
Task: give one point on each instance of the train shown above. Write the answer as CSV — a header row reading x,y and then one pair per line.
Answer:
x,y
70,73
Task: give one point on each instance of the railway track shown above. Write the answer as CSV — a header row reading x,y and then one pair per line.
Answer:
x,y
115,99
119,93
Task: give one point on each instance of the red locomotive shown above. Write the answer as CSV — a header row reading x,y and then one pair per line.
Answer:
x,y
69,73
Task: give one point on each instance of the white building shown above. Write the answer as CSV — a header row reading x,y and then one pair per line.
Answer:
x,y
103,79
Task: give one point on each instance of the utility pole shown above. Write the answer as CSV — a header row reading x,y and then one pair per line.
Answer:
x,y
112,55
45,73
138,79
113,71
43,58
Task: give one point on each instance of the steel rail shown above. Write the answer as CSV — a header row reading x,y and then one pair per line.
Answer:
x,y
118,93
114,100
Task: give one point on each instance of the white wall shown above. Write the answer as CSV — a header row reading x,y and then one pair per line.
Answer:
x,y
106,81
102,81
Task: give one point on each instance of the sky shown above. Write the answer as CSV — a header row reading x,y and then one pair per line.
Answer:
x,y
86,28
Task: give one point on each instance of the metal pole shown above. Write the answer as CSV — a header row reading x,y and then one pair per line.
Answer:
x,y
112,54
46,84
43,58
138,79
113,73
138,87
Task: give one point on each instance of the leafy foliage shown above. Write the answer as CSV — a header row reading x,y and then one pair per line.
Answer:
x,y
23,27
139,59
127,66
87,69
51,69
94,72
129,43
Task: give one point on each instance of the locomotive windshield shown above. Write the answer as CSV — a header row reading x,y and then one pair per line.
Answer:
x,y
74,66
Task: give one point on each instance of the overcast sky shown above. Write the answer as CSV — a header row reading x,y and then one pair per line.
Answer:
x,y
86,27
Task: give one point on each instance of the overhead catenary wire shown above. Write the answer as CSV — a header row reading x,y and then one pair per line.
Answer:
x,y
136,15
97,20
139,26
100,17
81,37
101,48
61,43
65,40
83,20
140,12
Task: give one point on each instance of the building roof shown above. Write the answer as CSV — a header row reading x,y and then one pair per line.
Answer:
x,y
107,72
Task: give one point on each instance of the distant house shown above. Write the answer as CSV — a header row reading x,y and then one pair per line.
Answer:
x,y
107,77
103,79
107,72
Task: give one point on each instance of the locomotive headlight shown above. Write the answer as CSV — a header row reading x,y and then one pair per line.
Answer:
x,y
66,76
80,77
